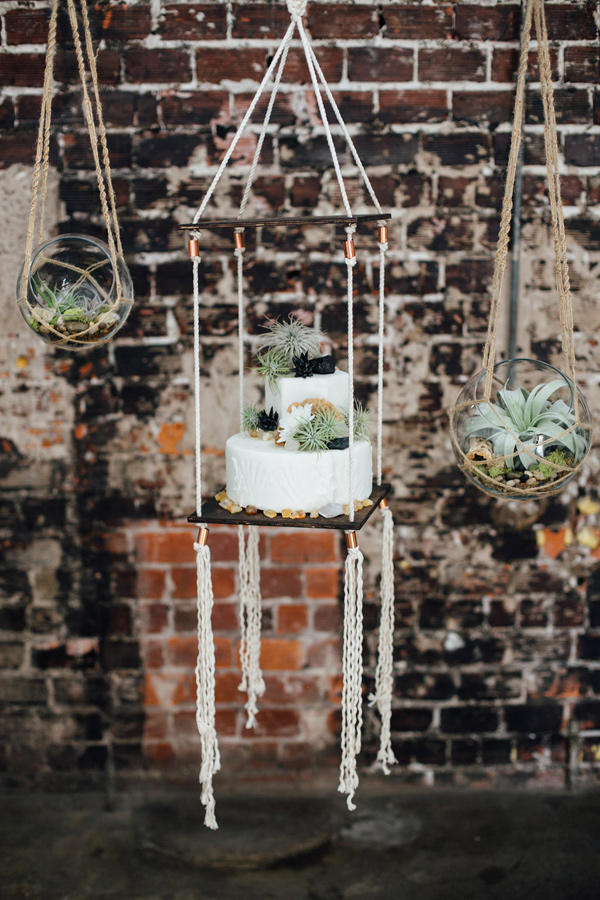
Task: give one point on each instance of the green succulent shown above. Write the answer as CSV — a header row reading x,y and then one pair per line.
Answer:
x,y
273,364
361,422
65,302
318,433
516,422
292,339
250,418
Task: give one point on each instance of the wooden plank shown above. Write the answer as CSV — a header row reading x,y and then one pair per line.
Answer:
x,y
284,221
214,514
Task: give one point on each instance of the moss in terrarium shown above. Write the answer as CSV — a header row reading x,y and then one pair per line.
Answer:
x,y
559,458
494,471
250,418
320,431
273,364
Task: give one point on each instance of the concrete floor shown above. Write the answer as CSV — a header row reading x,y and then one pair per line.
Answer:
x,y
407,845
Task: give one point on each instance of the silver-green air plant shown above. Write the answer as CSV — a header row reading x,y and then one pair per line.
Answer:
x,y
361,422
250,418
292,338
520,421
324,427
273,364
67,304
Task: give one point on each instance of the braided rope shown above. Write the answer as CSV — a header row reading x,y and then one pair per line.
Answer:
x,y
351,730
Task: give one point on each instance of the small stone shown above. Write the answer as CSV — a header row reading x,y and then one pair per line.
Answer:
x,y
254,433
346,509
287,514
251,510
220,496
234,508
539,476
225,503
357,505
75,327
314,513
512,483
299,514
270,513
367,502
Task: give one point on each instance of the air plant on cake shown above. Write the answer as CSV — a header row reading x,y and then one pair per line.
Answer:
x,y
292,339
361,422
251,418
273,364
524,436
313,427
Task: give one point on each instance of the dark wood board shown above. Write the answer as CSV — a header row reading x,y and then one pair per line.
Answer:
x,y
284,221
213,514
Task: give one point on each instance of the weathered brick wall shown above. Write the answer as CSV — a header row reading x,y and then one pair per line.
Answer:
x,y
498,609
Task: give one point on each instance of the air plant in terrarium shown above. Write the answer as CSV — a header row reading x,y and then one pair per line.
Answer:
x,y
75,293
529,437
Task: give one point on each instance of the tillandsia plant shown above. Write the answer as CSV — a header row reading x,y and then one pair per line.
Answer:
x,y
525,434
273,364
361,422
321,431
292,339
251,418
69,308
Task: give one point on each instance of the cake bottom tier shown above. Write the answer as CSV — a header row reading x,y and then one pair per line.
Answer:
x,y
269,477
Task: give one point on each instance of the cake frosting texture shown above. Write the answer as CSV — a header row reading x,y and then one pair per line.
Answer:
x,y
269,477
294,390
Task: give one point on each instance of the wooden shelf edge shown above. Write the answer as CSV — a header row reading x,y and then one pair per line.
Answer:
x,y
284,221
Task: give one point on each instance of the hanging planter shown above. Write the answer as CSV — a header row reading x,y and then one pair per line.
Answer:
x,y
521,428
72,294
74,291
529,437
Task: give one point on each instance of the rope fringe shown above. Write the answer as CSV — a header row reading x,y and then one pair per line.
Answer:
x,y
250,621
384,673
352,674
205,686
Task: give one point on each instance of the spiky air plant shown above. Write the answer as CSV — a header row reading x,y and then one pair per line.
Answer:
x,y
273,364
292,338
319,432
251,418
361,422
521,424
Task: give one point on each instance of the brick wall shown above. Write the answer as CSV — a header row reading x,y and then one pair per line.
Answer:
x,y
498,608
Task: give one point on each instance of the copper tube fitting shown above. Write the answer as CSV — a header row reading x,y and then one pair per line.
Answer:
x,y
383,234
202,536
351,542
194,247
239,240
383,503
349,249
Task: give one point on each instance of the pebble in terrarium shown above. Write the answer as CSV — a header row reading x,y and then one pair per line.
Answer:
x,y
73,296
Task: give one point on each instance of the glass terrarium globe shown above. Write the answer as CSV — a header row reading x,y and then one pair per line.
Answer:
x,y
531,436
73,296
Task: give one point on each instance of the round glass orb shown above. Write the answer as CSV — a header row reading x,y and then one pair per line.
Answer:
x,y
529,438
72,297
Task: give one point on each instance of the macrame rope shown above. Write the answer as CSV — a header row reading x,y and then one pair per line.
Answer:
x,y
350,263
205,685
250,621
239,254
197,410
351,675
383,246
384,673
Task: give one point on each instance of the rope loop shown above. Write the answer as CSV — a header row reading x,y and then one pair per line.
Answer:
x,y
296,8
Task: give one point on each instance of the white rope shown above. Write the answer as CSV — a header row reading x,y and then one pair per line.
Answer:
x,y
382,251
296,8
323,114
244,122
384,673
352,675
250,621
205,685
195,264
345,132
350,263
239,253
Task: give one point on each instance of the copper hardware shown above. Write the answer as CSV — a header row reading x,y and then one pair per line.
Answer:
x,y
202,536
383,503
194,247
239,240
349,249
351,542
383,234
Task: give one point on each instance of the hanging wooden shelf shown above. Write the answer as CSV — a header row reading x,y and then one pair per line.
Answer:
x,y
214,514
283,221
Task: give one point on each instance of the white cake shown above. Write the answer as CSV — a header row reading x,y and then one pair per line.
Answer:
x,y
297,461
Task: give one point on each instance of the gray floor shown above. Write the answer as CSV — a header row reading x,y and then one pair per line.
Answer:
x,y
405,845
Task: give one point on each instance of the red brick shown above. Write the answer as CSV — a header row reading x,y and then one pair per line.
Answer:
x,y
157,66
185,582
582,64
27,26
192,22
505,63
571,22
159,751
328,617
484,23
183,651
168,689
225,617
325,654
184,724
276,583
357,21
155,725
254,20
214,66
154,617
292,618
126,23
331,60
154,657
166,547
412,106
150,583
21,69
276,723
321,582
197,108
483,106
224,546
380,64
280,654
451,64
226,688
418,22
311,547
17,147
305,191
292,689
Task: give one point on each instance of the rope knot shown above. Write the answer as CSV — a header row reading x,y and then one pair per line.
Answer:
x,y
296,8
